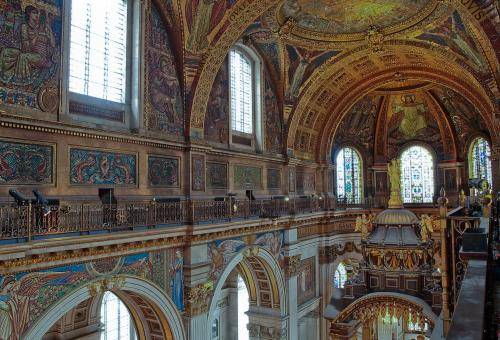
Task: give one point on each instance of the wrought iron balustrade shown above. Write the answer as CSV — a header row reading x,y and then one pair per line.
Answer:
x,y
32,221
28,222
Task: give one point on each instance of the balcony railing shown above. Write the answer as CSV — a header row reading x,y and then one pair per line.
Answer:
x,y
24,223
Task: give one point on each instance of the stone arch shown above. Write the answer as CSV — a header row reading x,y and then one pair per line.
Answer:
x,y
364,307
263,276
153,311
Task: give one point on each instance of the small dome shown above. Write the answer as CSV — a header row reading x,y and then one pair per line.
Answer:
x,y
396,216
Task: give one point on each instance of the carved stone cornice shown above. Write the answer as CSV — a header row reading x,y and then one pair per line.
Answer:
x,y
292,265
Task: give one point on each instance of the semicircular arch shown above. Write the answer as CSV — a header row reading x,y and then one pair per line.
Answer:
x,y
127,287
259,259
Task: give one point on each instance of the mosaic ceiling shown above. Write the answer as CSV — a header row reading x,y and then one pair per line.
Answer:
x,y
324,56
347,16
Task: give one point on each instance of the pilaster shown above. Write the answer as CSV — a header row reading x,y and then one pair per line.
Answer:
x,y
198,291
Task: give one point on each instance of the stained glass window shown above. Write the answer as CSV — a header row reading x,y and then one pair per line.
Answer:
x,y
417,175
98,49
340,276
480,160
116,319
241,92
349,176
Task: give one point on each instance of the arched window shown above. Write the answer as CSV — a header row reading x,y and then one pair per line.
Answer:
x,y
349,175
480,160
417,175
241,92
98,49
340,276
116,320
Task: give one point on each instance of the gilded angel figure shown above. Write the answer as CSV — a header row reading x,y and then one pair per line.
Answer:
x,y
426,227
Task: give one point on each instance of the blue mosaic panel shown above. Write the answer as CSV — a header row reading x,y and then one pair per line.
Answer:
x,y
94,167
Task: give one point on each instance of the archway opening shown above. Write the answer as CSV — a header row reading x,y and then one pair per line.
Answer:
x,y
116,321
243,305
391,327
250,285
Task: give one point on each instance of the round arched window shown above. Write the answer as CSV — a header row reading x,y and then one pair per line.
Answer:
x,y
349,176
417,175
340,276
480,160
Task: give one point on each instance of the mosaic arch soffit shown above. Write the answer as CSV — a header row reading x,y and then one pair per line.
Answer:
x,y
244,12
322,148
332,90
370,117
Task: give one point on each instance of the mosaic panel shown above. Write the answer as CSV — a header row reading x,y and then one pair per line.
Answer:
x,y
216,175
198,172
25,296
247,177
273,178
22,163
96,167
164,110
306,280
217,116
163,172
30,50
274,128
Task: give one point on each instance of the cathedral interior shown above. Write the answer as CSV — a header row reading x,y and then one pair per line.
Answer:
x,y
249,169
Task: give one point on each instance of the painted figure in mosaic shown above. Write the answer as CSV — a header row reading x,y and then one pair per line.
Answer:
x,y
22,65
204,16
412,120
298,76
165,95
177,280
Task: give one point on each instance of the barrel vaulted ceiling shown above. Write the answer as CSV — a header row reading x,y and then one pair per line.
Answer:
x,y
324,56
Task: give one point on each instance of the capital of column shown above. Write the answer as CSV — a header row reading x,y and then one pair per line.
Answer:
x,y
198,298
292,265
